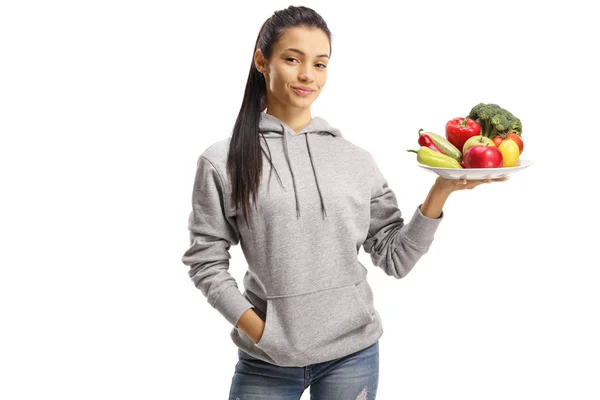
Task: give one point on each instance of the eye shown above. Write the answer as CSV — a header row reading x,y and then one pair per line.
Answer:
x,y
290,59
324,66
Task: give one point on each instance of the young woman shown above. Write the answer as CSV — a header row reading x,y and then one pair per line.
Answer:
x,y
306,317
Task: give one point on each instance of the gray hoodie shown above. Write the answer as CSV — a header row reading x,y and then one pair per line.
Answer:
x,y
320,199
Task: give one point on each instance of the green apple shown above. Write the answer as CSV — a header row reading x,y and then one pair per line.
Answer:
x,y
477,140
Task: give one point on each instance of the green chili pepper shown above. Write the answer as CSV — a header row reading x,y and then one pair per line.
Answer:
x,y
430,157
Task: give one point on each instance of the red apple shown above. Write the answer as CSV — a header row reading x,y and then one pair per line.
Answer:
x,y
482,157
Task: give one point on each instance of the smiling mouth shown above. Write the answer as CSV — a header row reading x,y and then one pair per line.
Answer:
x,y
302,91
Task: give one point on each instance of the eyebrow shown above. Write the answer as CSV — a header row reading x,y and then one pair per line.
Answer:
x,y
301,52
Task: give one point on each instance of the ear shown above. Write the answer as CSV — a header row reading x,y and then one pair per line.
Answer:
x,y
260,62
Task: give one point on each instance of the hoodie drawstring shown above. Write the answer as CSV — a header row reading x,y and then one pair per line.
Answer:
x,y
312,163
287,157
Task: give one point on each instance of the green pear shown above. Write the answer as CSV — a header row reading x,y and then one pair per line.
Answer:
x,y
477,140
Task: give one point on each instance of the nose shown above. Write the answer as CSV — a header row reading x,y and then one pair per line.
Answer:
x,y
306,74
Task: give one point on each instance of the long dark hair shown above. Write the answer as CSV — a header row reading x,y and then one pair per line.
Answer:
x,y
244,160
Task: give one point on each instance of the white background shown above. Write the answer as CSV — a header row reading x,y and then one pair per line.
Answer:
x,y
105,107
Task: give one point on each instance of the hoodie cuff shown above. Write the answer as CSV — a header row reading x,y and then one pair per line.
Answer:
x,y
232,304
421,229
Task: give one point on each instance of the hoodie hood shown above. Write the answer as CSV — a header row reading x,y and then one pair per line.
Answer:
x,y
270,126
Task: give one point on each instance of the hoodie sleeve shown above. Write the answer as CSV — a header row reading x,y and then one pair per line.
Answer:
x,y
212,233
393,245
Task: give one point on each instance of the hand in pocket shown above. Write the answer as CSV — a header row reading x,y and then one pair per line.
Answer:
x,y
252,325
262,331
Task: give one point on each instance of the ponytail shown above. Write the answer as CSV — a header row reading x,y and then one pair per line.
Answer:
x,y
244,159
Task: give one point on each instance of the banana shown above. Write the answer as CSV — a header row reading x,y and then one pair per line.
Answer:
x,y
444,145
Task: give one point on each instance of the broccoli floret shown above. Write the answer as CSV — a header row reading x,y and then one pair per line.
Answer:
x,y
516,126
474,114
500,124
494,120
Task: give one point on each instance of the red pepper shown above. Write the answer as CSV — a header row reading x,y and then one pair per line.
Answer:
x,y
425,140
458,130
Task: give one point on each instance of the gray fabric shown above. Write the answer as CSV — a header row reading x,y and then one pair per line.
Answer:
x,y
301,243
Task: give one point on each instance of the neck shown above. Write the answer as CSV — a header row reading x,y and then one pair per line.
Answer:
x,y
294,118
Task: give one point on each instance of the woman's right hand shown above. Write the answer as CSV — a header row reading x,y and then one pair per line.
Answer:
x,y
251,324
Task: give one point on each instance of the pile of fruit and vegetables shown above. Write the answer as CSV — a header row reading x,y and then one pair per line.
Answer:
x,y
488,137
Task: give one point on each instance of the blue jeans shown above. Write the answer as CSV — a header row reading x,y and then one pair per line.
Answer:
x,y
353,377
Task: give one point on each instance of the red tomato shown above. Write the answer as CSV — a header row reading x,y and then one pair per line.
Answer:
x,y
517,140
497,140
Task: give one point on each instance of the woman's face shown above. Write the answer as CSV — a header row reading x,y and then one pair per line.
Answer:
x,y
299,60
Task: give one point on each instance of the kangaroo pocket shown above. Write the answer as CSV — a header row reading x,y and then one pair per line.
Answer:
x,y
302,325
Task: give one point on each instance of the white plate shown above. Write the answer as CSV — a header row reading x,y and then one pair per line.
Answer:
x,y
477,173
